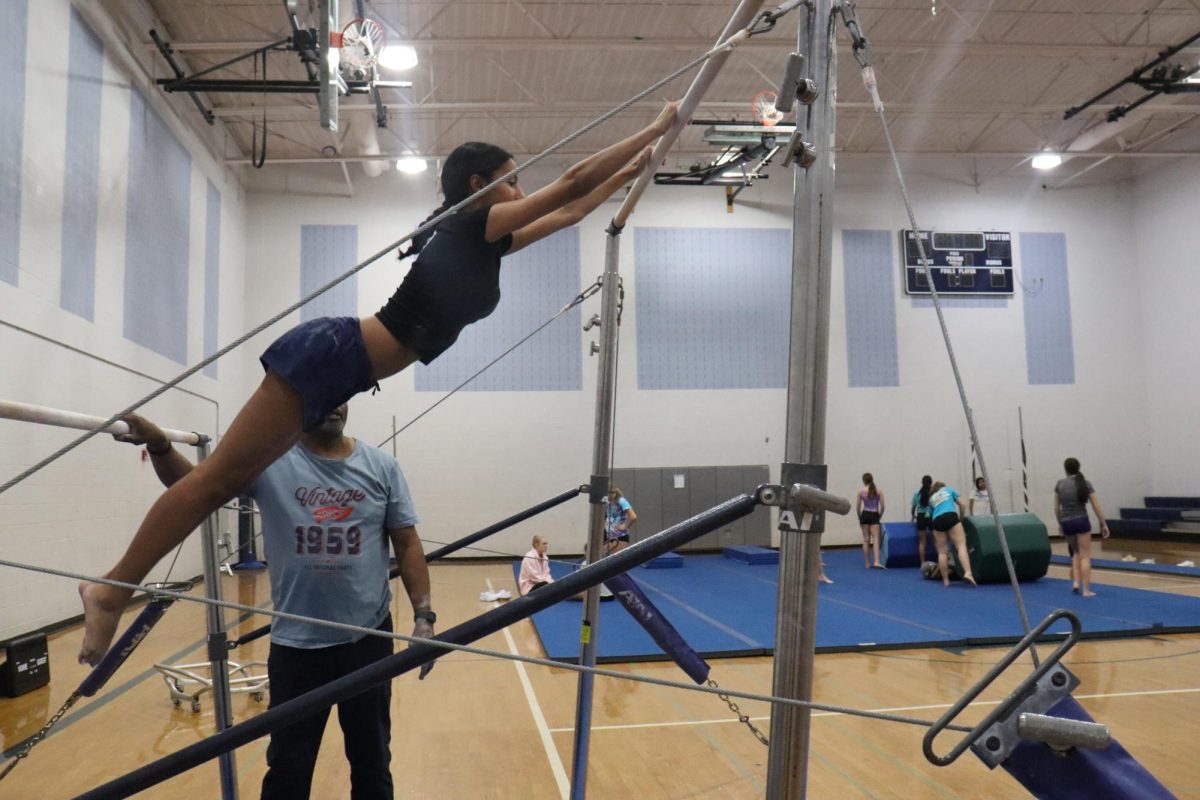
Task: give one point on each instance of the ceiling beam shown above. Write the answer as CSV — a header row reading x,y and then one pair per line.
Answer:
x,y
586,108
966,49
709,154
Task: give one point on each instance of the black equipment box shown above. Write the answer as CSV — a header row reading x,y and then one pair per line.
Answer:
x,y
27,666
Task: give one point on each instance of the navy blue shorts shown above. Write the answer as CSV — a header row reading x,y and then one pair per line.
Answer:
x,y
1075,526
324,360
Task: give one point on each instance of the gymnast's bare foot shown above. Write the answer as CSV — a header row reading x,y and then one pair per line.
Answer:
x,y
102,607
1089,594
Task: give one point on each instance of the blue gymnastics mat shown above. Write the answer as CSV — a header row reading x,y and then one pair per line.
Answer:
x,y
727,608
1131,566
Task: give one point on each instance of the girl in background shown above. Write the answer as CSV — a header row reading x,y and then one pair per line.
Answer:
x,y
1071,496
922,515
869,507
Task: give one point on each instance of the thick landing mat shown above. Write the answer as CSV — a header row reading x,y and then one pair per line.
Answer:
x,y
727,608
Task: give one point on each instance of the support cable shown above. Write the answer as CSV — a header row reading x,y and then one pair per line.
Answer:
x,y
579,298
479,651
862,54
729,43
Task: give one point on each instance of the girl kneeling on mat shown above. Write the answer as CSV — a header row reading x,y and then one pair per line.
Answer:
x,y
322,363
946,504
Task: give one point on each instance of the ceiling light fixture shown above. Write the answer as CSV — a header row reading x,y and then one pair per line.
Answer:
x,y
398,57
1046,160
412,165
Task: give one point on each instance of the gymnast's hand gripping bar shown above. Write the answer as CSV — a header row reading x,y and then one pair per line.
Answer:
x,y
414,656
84,422
442,552
736,32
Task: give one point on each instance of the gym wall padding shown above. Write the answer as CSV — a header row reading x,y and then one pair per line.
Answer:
x,y
157,234
326,251
81,170
14,19
868,267
706,300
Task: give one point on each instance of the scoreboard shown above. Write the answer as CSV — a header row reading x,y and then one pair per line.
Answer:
x,y
960,262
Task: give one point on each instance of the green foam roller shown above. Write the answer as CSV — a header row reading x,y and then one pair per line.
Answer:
x,y
1027,541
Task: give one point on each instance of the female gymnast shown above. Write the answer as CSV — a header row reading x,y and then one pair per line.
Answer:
x,y
322,363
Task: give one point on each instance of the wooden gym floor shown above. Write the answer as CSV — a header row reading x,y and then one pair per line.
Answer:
x,y
485,728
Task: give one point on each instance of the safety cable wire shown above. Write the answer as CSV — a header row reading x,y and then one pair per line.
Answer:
x,y
729,43
862,54
585,294
480,651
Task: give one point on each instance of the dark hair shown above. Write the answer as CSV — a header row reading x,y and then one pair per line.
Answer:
x,y
926,484
978,480
870,482
466,160
1071,465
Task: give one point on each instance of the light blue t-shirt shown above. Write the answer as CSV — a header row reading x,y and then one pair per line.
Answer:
x,y
942,501
615,514
325,525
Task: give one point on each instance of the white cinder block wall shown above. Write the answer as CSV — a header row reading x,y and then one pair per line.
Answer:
x,y
78,513
483,455
1164,224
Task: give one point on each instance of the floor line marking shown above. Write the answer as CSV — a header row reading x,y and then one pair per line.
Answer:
x,y
539,719
894,710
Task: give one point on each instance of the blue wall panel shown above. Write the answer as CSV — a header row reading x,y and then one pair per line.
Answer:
x,y
157,228
81,174
212,276
13,20
535,283
1049,346
712,307
327,251
869,270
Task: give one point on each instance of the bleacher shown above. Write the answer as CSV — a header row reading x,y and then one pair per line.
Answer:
x,y
1166,526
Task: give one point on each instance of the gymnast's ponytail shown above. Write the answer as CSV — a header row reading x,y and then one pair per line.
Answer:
x,y
422,238
1071,465
926,487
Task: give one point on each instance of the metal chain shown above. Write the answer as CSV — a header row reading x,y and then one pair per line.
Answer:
x,y
742,718
40,735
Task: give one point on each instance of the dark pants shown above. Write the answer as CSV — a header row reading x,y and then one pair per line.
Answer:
x,y
365,720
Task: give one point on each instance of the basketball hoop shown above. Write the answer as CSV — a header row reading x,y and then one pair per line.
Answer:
x,y
763,108
361,42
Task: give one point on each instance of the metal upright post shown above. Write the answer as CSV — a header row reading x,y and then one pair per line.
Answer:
x,y
601,456
800,553
217,650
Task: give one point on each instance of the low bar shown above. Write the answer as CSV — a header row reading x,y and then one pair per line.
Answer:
x,y
415,655
42,415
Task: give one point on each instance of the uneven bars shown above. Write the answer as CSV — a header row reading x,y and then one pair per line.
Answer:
x,y
43,415
737,27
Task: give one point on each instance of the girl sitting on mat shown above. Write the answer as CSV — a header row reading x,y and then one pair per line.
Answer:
x,y
322,363
1071,496
946,503
869,507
